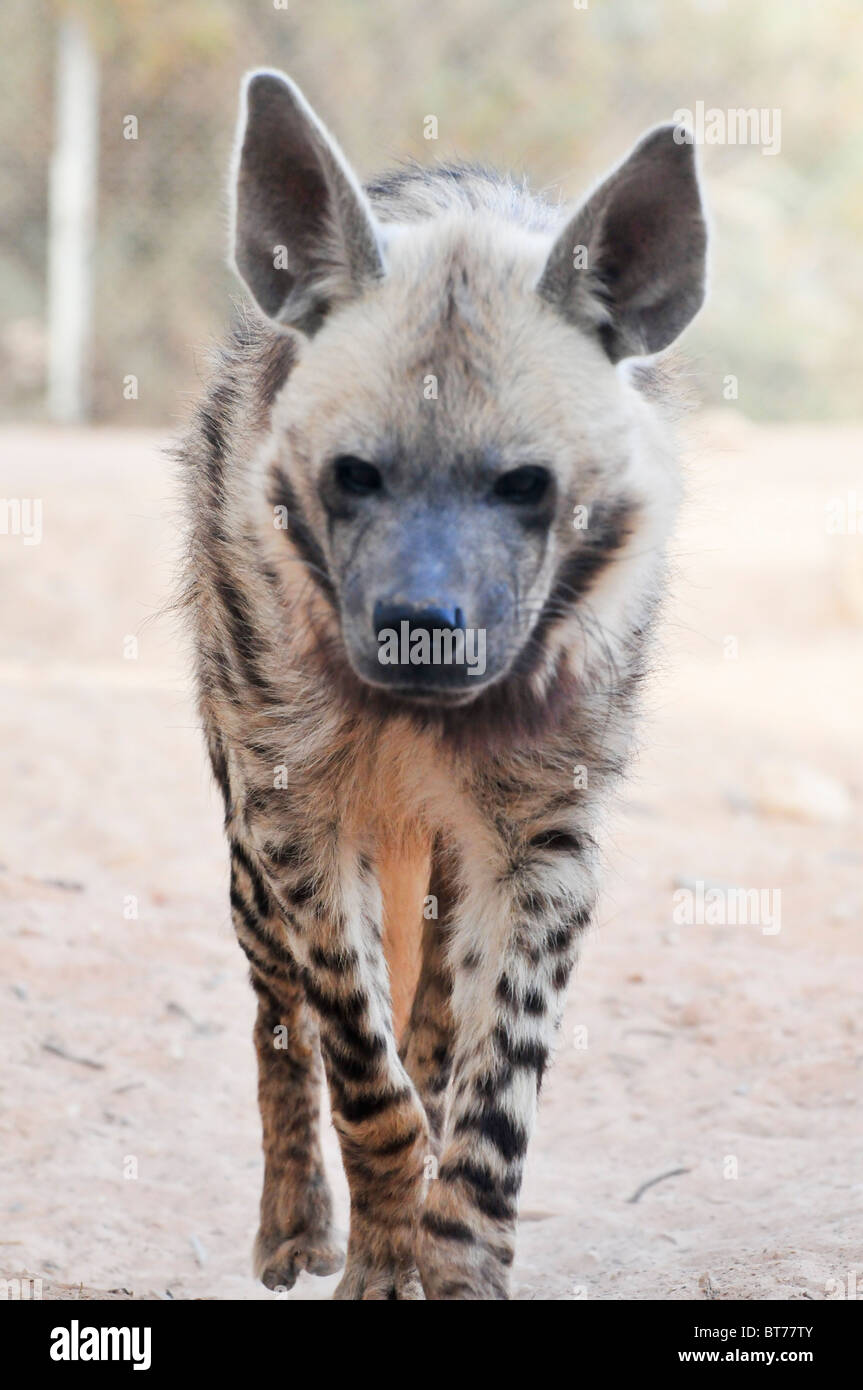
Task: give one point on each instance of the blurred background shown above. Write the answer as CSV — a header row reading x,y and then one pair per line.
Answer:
x,y
551,88
723,1060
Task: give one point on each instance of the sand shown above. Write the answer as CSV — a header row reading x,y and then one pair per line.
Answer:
x,y
727,1057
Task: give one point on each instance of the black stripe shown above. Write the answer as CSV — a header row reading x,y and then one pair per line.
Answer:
x,y
340,1008
264,993
239,903
560,978
437,1084
302,892
215,417
335,961
506,990
609,527
560,938
340,1017
355,1109
263,901
447,1230
300,534
508,1137
277,364
263,967
534,1002
355,1069
488,1192
254,928
241,631
219,764
526,1056
491,1083
562,840
287,855
395,1146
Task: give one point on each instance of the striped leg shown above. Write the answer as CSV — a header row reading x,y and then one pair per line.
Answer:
x,y
332,915
426,1045
515,936
295,1231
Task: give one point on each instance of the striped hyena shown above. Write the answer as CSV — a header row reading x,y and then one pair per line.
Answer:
x,y
429,496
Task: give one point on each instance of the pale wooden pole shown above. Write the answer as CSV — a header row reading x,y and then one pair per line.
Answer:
x,y
71,222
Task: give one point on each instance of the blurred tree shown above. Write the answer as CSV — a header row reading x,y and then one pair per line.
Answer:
x,y
71,215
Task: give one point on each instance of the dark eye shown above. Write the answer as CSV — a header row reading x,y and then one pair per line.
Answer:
x,y
528,484
356,476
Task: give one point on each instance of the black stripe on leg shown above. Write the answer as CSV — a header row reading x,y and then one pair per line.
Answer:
x,y
263,967
447,1230
560,978
356,1108
255,929
493,1124
488,1192
337,962
353,1069
263,901
525,1056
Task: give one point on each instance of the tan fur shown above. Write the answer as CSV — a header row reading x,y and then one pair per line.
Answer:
x,y
404,879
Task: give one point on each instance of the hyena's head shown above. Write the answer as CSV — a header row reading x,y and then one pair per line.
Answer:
x,y
459,452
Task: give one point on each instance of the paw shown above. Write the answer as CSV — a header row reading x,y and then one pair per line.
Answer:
x,y
458,1262
277,1263
460,1279
367,1283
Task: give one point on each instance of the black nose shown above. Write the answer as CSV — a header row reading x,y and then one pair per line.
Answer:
x,y
391,613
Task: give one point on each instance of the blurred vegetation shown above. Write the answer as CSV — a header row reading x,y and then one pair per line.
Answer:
x,y
545,87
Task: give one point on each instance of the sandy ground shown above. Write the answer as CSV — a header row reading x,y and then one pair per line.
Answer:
x,y
129,1127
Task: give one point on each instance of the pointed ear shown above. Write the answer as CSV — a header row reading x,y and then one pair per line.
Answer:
x,y
630,265
304,235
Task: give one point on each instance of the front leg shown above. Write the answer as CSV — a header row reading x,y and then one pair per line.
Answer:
x,y
525,900
426,1047
295,1231
332,913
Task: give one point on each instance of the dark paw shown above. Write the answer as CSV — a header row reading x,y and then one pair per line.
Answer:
x,y
458,1264
277,1264
368,1283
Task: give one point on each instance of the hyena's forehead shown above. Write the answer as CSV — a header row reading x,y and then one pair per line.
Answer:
x,y
454,345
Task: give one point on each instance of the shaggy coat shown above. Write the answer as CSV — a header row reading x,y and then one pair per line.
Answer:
x,y
432,396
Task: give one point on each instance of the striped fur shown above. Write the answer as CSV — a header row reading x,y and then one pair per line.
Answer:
x,y
331,785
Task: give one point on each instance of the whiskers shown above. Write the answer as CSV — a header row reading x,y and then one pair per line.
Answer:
x,y
567,606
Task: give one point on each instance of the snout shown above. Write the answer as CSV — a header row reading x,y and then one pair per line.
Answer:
x,y
428,614
423,615
425,648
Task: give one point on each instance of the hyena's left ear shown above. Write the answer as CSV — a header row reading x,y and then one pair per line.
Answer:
x,y
630,265
304,235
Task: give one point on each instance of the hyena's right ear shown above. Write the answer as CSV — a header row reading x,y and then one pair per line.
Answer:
x,y
304,235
